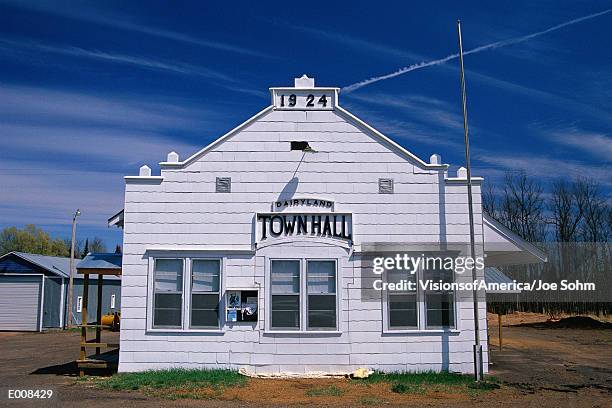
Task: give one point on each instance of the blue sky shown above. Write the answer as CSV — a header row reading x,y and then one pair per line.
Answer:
x,y
91,91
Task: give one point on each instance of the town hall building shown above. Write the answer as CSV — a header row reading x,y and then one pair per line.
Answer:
x,y
251,253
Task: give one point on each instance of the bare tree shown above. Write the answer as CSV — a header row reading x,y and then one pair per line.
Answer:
x,y
490,202
567,208
596,213
522,207
97,245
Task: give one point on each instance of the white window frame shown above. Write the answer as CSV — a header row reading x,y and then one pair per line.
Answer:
x,y
320,329
152,293
303,329
421,314
187,302
186,294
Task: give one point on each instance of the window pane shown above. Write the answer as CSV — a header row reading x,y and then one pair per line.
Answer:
x,y
286,311
167,310
205,310
322,311
205,275
402,310
402,305
321,277
445,275
168,275
440,309
440,305
285,277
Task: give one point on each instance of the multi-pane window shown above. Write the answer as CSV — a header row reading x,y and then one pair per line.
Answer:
x,y
321,287
439,305
168,293
285,290
402,305
317,308
205,277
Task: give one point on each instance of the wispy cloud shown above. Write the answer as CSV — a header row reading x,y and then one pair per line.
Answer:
x,y
23,104
354,42
432,111
409,133
87,147
597,145
545,168
50,197
82,13
497,44
141,62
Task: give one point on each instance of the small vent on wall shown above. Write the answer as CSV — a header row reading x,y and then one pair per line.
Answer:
x,y
385,186
224,185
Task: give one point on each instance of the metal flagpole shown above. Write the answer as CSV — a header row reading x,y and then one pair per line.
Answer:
x,y
478,364
71,280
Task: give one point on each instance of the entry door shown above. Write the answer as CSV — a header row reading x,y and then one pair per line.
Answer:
x,y
19,302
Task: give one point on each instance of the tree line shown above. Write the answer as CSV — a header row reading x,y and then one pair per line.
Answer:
x,y
570,211
571,221
34,240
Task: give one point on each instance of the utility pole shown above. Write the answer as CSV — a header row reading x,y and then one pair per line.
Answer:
x,y
71,281
478,364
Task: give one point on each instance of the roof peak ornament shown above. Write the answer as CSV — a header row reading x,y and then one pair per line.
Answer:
x,y
304,82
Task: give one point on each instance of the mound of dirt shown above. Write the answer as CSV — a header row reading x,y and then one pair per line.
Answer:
x,y
574,322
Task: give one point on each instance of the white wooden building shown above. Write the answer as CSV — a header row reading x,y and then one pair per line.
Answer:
x,y
214,277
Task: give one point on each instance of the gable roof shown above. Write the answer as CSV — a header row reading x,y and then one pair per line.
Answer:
x,y
349,117
57,265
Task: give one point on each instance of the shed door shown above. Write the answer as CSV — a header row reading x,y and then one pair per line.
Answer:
x,y
19,302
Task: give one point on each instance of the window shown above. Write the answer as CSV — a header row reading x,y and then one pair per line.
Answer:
x,y
419,309
321,287
439,305
168,293
205,277
402,305
112,302
285,290
317,309
79,304
223,185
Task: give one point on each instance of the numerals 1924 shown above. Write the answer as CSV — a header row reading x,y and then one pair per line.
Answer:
x,y
310,100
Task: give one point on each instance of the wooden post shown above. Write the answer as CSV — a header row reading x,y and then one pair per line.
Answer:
x,y
99,313
499,324
83,354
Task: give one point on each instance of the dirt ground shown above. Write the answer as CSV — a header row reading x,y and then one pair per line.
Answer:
x,y
540,366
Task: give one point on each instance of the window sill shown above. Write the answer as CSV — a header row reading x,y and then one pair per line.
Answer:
x,y
304,332
422,332
186,331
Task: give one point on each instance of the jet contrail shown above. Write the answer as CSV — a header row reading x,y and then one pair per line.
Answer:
x,y
503,43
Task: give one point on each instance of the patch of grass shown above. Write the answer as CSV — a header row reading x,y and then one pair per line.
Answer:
x,y
403,388
173,379
331,391
493,379
420,378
